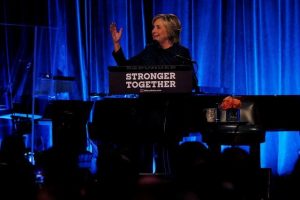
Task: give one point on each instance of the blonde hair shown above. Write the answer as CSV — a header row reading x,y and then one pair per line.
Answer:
x,y
172,24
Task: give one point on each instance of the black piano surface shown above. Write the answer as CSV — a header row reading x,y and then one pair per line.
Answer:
x,y
177,114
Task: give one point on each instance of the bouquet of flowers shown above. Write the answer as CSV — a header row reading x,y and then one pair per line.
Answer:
x,y
230,102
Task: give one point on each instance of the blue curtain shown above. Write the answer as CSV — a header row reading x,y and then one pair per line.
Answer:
x,y
246,47
242,46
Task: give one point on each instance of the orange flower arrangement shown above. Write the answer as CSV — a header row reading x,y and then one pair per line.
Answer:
x,y
230,102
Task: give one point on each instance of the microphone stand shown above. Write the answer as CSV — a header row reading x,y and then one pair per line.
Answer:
x,y
192,63
30,155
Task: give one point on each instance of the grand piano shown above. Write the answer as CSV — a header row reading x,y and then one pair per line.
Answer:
x,y
148,115
168,118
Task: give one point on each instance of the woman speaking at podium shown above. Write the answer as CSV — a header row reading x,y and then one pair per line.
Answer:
x,y
165,49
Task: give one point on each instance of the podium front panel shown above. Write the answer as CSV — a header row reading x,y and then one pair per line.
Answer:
x,y
150,79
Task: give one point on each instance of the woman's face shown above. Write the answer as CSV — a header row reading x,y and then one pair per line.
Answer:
x,y
159,31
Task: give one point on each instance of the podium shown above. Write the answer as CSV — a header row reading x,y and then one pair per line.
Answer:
x,y
150,79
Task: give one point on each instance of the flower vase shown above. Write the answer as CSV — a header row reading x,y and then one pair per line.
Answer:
x,y
233,115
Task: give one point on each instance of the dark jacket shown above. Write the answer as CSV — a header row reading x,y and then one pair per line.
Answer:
x,y
153,54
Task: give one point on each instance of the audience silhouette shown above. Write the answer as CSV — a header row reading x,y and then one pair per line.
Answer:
x,y
16,172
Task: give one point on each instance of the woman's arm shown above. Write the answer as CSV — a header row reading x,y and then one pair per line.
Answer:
x,y
116,36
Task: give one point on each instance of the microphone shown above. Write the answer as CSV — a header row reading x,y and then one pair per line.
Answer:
x,y
185,59
154,43
195,79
